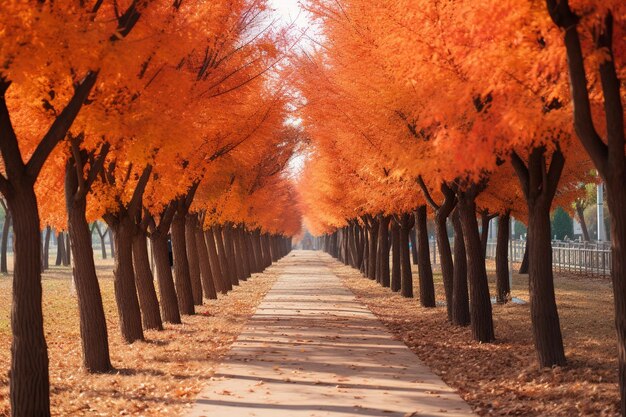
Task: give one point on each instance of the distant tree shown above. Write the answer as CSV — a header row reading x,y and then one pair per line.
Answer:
x,y
562,224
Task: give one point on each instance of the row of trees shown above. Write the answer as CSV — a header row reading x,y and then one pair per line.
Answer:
x,y
463,111
163,118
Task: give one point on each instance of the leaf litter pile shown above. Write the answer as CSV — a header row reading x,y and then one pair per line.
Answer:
x,y
503,378
158,377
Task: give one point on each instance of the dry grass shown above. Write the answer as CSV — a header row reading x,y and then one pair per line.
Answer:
x,y
503,378
158,377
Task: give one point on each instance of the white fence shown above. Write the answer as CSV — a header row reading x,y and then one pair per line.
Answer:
x,y
593,258
589,257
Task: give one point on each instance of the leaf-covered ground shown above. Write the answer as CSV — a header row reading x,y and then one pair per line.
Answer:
x,y
503,378
158,377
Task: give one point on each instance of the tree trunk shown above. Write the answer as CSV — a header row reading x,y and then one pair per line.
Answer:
x,y
124,283
616,200
182,280
445,257
46,249
413,237
580,211
101,235
67,261
256,245
208,284
485,219
395,261
93,326
241,252
373,243
230,253
60,249
167,291
267,257
222,284
383,250
426,283
539,181
543,311
29,381
365,249
221,251
460,298
111,243
247,238
480,302
503,288
523,269
191,224
6,228
144,280
407,221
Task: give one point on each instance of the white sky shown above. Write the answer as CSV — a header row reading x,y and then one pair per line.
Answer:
x,y
289,10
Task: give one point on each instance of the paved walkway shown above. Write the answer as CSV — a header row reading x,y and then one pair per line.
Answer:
x,y
312,349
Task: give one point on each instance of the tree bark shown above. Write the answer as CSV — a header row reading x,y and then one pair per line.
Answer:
x,y
46,249
241,253
539,182
93,326
60,249
425,272
167,291
480,302
580,211
111,242
373,243
485,219
413,240
6,228
67,261
247,237
256,244
366,248
29,382
208,284
124,282
191,224
222,284
182,279
460,298
543,310
395,253
221,251
407,221
616,200
523,269
383,250
229,250
101,235
148,302
503,288
608,157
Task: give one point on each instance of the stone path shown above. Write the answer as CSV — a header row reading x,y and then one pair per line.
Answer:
x,y
313,350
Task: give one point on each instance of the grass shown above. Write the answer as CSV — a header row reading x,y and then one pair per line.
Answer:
x,y
158,377
503,378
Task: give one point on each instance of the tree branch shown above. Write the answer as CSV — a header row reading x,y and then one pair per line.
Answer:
x,y
98,165
554,173
61,125
78,164
135,201
426,193
522,172
613,108
566,19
